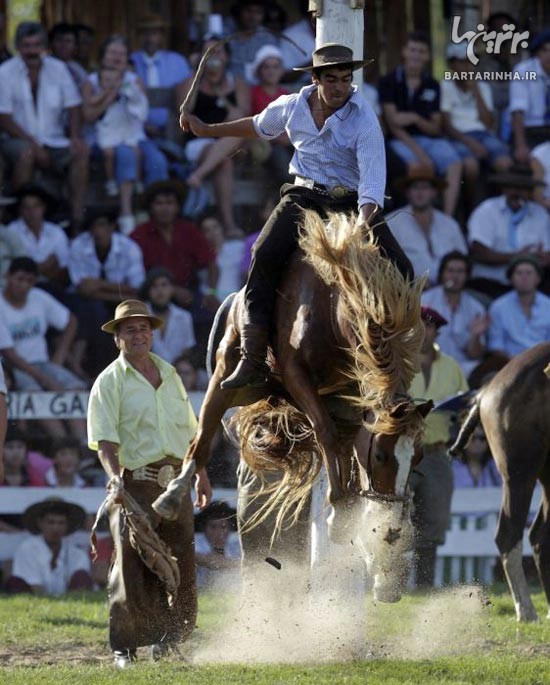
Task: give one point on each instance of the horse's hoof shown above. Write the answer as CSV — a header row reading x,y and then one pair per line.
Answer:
x,y
527,616
167,505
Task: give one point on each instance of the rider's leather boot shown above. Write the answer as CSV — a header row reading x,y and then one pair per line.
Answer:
x,y
252,370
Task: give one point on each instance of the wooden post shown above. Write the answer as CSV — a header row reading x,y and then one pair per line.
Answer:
x,y
339,23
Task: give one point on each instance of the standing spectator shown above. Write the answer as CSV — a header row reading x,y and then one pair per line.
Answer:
x,y
529,99
468,119
229,257
47,563
520,318
104,266
177,244
410,105
11,245
220,96
28,312
66,463
163,73
540,163
266,73
176,335
141,423
504,227
425,233
249,16
463,337
114,56
35,93
432,479
44,242
62,40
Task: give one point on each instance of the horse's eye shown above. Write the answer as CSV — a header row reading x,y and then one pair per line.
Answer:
x,y
380,457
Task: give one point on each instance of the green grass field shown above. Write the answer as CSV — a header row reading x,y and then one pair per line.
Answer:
x,y
444,638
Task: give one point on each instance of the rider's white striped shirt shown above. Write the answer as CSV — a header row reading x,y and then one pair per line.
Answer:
x,y
348,150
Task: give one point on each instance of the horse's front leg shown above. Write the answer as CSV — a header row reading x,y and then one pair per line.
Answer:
x,y
216,403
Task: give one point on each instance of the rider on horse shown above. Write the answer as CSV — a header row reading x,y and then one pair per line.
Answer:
x,y
339,166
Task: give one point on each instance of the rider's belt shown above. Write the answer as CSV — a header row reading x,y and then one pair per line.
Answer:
x,y
159,472
336,192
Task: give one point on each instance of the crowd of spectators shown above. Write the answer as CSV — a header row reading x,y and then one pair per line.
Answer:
x,y
104,198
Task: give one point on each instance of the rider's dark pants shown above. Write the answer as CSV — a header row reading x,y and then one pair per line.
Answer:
x,y
279,239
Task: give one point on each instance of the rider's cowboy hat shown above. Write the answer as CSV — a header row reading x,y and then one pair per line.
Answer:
x,y
333,55
130,309
516,177
54,505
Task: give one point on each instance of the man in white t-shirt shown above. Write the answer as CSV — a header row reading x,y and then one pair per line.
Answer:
x,y
27,313
468,119
47,563
38,101
505,227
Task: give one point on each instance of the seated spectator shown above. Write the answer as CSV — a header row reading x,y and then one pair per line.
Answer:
x,y
163,73
529,101
62,40
425,233
5,54
27,313
520,318
229,258
299,46
44,242
22,466
266,73
104,267
176,244
476,469
10,244
220,96
252,35
46,563
504,227
188,372
217,546
540,163
3,416
176,336
468,119
64,472
410,105
34,130
501,61
97,100
463,336
85,36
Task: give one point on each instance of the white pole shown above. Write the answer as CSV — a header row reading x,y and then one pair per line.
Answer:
x,y
339,23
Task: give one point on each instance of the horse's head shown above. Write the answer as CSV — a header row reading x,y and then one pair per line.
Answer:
x,y
386,460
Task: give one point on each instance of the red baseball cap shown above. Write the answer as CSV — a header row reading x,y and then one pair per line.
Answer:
x,y
432,316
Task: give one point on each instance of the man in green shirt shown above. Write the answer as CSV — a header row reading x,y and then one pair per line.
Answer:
x,y
439,378
141,422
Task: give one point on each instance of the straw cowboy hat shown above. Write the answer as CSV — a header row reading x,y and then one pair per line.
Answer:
x,y
130,309
54,505
150,22
333,55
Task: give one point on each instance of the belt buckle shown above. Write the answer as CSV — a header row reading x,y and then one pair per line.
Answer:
x,y
338,192
165,474
305,182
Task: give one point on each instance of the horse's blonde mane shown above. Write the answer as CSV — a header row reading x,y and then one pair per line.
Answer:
x,y
381,307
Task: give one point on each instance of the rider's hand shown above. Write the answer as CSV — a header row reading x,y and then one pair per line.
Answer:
x,y
203,489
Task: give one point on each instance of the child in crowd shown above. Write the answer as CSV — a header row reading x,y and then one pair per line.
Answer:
x,y
21,466
177,335
121,123
64,471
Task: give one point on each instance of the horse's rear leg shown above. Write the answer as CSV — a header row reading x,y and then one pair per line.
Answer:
x,y
516,499
539,535
214,406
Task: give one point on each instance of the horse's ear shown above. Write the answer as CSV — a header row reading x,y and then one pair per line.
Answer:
x,y
425,408
400,409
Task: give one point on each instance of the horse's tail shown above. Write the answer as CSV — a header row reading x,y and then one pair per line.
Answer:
x,y
466,430
277,439
380,306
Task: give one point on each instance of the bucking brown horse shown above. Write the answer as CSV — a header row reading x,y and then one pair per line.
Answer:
x,y
514,410
345,346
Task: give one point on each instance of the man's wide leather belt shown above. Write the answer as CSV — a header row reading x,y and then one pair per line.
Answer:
x,y
160,473
336,192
